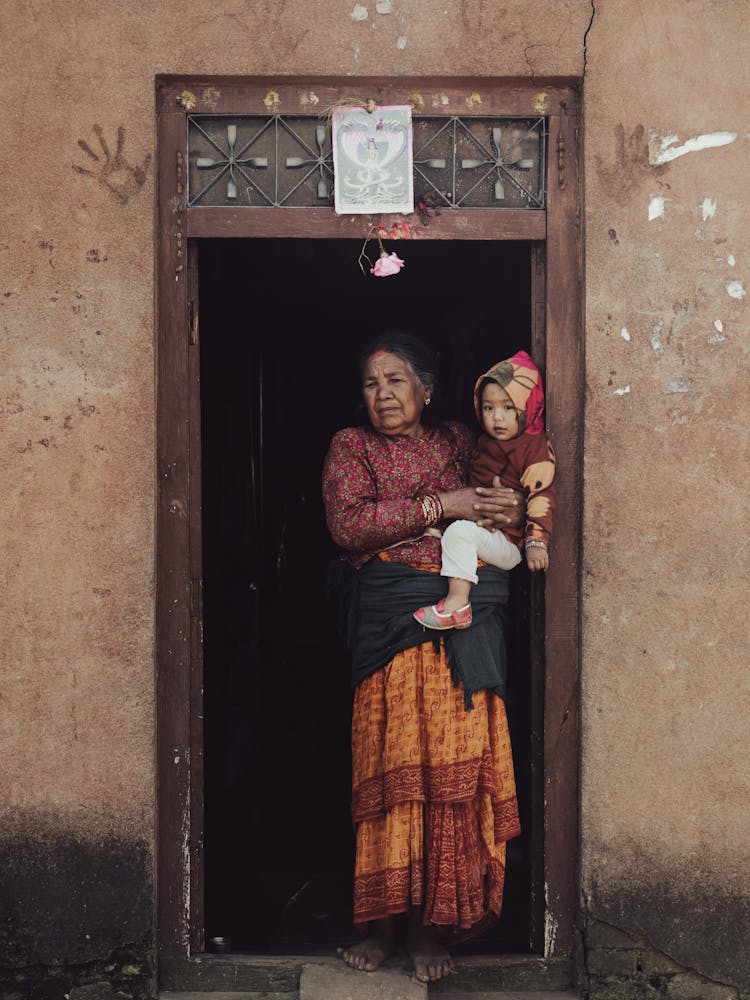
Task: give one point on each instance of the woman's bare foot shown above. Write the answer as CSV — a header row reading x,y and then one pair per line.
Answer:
x,y
431,960
369,955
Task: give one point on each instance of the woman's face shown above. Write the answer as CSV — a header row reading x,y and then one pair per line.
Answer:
x,y
393,395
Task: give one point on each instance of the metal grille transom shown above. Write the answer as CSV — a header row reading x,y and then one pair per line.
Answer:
x,y
286,161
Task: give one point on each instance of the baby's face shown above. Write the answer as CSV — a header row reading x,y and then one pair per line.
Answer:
x,y
499,415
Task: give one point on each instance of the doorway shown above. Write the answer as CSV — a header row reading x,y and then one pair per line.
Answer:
x,y
282,322
292,291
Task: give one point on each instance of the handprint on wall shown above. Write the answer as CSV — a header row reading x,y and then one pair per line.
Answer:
x,y
114,172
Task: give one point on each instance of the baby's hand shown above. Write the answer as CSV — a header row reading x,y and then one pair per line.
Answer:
x,y
537,558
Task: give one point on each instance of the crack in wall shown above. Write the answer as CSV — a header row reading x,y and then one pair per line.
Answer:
x,y
586,38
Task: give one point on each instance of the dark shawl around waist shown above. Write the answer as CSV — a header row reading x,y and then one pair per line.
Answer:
x,y
377,605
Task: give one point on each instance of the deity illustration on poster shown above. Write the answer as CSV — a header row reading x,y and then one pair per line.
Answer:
x,y
372,160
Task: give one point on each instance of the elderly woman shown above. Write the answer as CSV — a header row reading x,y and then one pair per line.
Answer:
x,y
434,797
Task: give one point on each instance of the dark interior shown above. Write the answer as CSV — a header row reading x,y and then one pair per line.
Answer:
x,y
281,324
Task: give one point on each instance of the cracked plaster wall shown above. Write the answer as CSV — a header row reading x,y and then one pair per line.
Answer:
x,y
664,639
665,697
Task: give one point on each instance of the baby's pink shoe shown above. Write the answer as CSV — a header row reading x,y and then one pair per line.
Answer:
x,y
434,617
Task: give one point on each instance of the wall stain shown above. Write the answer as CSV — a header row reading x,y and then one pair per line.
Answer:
x,y
79,308
630,164
474,14
49,246
702,928
532,68
267,8
121,179
11,406
210,97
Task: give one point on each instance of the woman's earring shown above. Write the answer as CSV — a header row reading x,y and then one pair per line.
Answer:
x,y
427,401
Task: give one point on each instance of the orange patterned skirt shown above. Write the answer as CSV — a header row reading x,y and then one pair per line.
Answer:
x,y
434,796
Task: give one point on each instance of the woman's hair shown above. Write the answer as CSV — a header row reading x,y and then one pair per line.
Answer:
x,y
418,355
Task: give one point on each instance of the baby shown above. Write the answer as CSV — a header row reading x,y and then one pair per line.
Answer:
x,y
509,402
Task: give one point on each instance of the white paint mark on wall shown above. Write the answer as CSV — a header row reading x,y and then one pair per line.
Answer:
x,y
401,42
678,385
708,208
359,13
717,338
309,98
735,289
655,337
662,149
384,6
625,333
656,207
719,325
730,260
440,100
622,392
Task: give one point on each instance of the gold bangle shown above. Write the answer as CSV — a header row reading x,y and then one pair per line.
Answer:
x,y
432,509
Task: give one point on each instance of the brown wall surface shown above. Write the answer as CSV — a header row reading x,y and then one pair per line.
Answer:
x,y
665,767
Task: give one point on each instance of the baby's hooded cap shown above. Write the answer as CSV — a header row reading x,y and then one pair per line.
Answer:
x,y
520,378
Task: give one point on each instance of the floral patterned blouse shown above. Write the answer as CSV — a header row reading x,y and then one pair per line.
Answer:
x,y
371,486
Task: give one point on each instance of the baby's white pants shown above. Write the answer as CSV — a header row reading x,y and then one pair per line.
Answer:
x,y
464,542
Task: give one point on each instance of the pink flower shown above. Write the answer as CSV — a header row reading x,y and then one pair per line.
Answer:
x,y
387,264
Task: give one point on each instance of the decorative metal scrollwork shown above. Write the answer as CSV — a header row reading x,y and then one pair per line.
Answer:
x,y
280,161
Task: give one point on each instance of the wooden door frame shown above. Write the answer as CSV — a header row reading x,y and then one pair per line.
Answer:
x,y
556,323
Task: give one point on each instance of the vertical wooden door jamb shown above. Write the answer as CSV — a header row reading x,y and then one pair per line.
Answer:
x,y
173,617
536,638
192,334
564,371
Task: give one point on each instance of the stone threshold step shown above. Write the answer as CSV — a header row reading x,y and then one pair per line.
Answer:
x,y
249,975
264,995
215,995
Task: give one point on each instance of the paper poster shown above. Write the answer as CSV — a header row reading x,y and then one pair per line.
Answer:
x,y
372,160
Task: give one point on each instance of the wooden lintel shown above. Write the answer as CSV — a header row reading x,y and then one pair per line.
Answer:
x,y
323,223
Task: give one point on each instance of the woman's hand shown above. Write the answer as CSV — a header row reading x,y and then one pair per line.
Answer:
x,y
500,505
492,507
